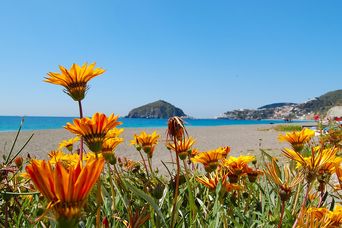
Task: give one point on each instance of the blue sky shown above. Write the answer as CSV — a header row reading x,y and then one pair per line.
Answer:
x,y
205,57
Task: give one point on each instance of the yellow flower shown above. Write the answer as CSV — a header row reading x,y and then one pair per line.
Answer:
x,y
108,148
68,143
322,217
66,188
74,80
93,130
339,176
286,184
236,166
182,147
214,180
210,159
115,132
66,159
312,166
298,138
146,142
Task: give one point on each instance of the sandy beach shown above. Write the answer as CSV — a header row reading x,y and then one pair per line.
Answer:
x,y
243,139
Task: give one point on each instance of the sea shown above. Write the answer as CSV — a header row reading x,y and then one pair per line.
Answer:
x,y
12,123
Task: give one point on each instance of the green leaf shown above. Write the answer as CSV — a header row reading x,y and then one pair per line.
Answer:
x,y
148,199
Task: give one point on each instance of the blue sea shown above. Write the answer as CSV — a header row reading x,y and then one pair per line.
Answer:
x,y
12,123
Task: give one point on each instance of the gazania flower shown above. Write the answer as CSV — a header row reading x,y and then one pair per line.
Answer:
x,y
146,142
108,148
312,165
285,185
66,159
176,128
252,174
298,138
236,166
338,169
182,148
93,130
322,217
210,159
69,144
66,188
115,132
74,80
213,181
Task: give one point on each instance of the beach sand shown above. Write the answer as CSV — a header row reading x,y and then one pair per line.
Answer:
x,y
243,139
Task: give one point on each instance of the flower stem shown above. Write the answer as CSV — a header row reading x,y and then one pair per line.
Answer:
x,y
176,187
281,214
81,141
143,159
150,165
303,205
111,185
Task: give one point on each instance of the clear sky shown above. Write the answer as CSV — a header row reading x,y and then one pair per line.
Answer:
x,y
206,57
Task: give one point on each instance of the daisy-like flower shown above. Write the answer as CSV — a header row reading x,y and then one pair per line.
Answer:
x,y
74,80
93,130
67,189
252,174
182,148
214,180
66,159
322,217
338,169
297,139
108,148
146,142
115,132
211,159
312,166
68,144
285,184
236,166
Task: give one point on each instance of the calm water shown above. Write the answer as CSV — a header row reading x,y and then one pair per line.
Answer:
x,y
11,123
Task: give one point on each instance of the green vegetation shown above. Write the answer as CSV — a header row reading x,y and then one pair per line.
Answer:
x,y
287,127
323,103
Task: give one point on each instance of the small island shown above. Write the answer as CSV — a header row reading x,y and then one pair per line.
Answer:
x,y
156,110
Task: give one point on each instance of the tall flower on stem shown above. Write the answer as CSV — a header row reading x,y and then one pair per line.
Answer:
x,y
176,132
285,184
66,188
75,79
94,130
297,139
75,83
146,142
182,147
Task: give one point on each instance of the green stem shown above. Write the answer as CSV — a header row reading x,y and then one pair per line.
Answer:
x,y
143,159
174,208
81,141
150,165
111,185
303,205
67,223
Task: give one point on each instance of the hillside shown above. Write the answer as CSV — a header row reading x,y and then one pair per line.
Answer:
x,y
306,110
157,110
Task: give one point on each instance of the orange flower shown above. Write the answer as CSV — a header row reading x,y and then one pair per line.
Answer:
x,y
182,148
236,166
66,189
285,185
322,217
210,159
312,166
74,80
214,180
298,138
69,144
146,142
94,130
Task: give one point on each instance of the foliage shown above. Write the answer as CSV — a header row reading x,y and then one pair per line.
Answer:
x,y
287,127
